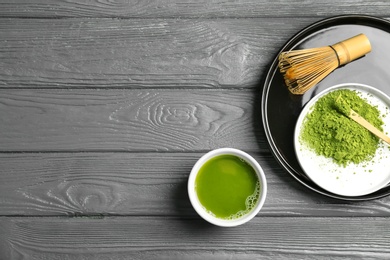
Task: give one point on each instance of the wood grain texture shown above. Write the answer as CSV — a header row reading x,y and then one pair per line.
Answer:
x,y
140,53
143,184
196,9
105,106
179,238
130,120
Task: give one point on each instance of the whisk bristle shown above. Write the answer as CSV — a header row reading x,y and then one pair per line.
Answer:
x,y
303,69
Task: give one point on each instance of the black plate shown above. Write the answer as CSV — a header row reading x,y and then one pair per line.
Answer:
x,y
280,109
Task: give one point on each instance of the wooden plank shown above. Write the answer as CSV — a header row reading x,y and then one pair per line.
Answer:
x,y
178,238
203,9
130,120
140,53
143,184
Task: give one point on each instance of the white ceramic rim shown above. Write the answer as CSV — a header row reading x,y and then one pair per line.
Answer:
x,y
330,184
194,198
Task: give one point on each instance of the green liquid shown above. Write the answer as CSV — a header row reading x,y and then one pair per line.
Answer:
x,y
227,187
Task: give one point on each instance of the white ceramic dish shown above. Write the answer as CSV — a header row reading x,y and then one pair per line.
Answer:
x,y
354,179
202,211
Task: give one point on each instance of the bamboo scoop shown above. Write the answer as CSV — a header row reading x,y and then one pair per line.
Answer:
x,y
343,107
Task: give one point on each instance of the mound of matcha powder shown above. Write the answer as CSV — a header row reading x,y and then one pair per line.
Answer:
x,y
330,133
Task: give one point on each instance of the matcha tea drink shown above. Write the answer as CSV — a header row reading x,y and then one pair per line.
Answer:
x,y
227,187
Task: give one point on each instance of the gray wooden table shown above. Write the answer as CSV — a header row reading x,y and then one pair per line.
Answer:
x,y
106,105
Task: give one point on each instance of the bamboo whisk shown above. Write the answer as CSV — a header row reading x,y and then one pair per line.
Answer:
x,y
303,69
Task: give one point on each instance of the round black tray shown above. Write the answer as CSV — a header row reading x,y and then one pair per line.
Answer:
x,y
280,109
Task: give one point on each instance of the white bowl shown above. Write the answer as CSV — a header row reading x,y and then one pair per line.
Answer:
x,y
200,209
354,179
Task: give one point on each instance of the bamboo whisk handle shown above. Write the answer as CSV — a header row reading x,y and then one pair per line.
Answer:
x,y
352,48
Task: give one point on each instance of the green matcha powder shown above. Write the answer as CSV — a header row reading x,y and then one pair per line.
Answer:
x,y
330,133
